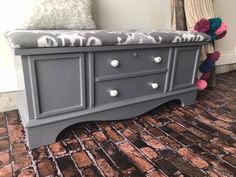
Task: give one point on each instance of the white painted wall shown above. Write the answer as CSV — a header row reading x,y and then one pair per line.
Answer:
x,y
227,46
131,14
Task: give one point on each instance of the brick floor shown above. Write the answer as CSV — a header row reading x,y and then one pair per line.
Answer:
x,y
171,140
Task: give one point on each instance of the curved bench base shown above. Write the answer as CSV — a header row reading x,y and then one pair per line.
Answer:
x,y
44,134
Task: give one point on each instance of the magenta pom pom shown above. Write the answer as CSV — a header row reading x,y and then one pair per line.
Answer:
x,y
221,29
205,76
201,84
213,56
203,26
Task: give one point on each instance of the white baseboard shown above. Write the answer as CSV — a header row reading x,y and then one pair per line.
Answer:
x,y
226,59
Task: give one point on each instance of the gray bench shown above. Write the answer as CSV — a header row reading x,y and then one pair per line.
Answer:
x,y
77,76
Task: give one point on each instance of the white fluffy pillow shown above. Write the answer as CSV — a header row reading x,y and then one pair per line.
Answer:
x,y
60,14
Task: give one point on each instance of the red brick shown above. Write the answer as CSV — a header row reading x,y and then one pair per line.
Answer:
x,y
225,118
106,168
110,132
2,119
72,144
215,173
6,171
218,143
170,142
222,124
89,144
16,132
149,152
118,125
129,134
45,168
151,120
3,131
4,144
57,148
130,172
100,137
4,158
81,158
199,133
39,153
12,117
136,128
176,127
20,155
135,157
27,173
151,141
230,159
155,174
156,132
213,125
193,158
67,167
90,172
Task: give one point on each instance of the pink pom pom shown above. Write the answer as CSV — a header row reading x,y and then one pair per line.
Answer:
x,y
205,76
223,27
213,56
201,84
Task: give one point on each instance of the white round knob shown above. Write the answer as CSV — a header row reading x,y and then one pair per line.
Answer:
x,y
114,93
157,59
154,85
115,63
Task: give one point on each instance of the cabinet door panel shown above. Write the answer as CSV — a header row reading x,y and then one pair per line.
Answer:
x,y
185,66
58,83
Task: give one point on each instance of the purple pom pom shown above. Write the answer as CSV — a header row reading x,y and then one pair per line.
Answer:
x,y
213,56
203,26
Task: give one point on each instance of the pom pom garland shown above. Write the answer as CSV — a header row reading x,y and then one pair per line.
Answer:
x,y
217,30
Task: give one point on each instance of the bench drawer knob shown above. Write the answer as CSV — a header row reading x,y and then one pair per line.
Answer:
x,y
158,59
114,93
155,85
115,63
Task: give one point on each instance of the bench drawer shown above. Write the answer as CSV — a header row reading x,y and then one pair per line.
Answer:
x,y
123,89
128,61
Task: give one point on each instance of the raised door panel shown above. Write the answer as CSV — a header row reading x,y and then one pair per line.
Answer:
x,y
58,84
184,67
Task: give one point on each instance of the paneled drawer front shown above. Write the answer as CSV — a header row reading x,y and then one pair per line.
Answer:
x,y
128,61
118,90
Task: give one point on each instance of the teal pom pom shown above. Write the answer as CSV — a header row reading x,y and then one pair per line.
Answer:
x,y
215,23
213,36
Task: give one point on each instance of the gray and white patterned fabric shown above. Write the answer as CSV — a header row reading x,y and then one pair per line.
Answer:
x,y
84,38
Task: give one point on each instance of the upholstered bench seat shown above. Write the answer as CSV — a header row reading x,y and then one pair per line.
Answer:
x,y
83,38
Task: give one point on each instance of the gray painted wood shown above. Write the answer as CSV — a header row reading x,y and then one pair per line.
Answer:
x,y
64,86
